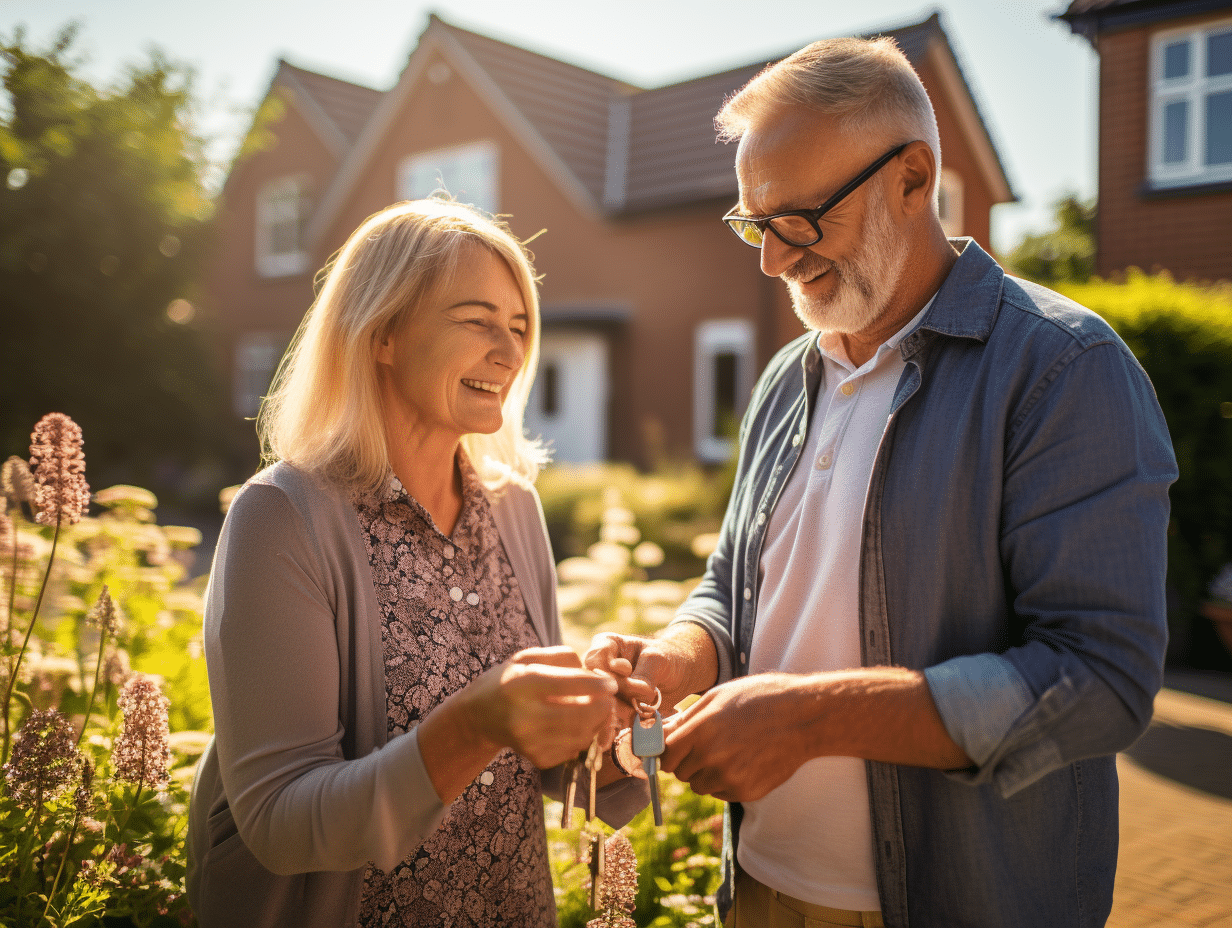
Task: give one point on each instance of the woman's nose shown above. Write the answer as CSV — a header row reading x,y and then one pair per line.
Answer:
x,y
509,350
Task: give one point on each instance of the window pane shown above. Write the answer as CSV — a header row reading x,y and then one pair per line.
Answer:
x,y
549,385
1176,60
1219,53
724,394
1176,130
1219,128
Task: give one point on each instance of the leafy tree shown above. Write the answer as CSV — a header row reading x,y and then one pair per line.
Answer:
x,y
1066,253
104,220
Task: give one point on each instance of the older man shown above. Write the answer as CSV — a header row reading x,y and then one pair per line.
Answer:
x,y
936,609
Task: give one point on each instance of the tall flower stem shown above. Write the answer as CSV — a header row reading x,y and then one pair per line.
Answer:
x,y
25,643
55,884
98,672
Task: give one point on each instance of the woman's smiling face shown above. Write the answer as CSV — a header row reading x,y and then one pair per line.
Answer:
x,y
446,368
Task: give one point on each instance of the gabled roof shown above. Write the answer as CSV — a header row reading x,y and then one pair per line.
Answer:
x,y
612,147
1088,18
346,106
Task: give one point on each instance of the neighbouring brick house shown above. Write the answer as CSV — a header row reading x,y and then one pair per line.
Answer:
x,y
1165,133
656,320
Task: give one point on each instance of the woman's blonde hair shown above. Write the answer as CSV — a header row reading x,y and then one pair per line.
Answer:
x,y
323,413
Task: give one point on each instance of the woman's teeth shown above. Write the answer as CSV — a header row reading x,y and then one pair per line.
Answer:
x,y
482,385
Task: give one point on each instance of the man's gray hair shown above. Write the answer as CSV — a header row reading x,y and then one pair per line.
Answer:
x,y
867,83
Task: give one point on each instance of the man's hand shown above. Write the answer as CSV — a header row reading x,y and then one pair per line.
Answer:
x,y
743,738
748,736
679,662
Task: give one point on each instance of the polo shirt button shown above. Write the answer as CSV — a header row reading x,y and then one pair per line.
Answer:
x,y
795,440
761,518
748,593
743,658
848,389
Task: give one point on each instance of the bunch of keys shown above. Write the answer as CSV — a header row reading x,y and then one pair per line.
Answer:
x,y
592,834
647,739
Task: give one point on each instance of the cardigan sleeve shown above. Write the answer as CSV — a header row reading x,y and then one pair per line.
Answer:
x,y
272,650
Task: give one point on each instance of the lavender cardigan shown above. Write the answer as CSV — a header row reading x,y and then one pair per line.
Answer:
x,y
301,786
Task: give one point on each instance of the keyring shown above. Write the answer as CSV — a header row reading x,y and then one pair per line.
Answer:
x,y
642,708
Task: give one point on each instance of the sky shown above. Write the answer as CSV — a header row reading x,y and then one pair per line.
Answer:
x,y
1035,82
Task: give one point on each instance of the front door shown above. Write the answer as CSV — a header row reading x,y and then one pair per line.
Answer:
x,y
568,403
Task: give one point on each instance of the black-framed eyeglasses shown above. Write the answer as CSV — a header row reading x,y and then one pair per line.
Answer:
x,y
799,227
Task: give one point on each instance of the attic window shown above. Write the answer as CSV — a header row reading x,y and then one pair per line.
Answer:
x,y
282,216
468,173
1191,106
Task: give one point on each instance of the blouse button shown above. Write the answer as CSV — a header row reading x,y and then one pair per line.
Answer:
x,y
472,598
456,594
486,778
448,552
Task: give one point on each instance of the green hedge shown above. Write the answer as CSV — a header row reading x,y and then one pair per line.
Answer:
x,y
1182,335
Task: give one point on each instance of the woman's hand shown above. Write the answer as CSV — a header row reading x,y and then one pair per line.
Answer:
x,y
543,704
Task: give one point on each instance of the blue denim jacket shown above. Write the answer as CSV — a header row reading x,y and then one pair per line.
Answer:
x,y
1013,549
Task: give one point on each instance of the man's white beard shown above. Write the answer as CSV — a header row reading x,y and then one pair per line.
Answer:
x,y
865,285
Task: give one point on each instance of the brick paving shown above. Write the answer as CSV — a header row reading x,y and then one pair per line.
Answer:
x,y
1175,868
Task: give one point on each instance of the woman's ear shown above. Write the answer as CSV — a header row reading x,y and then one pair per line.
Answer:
x,y
384,349
919,174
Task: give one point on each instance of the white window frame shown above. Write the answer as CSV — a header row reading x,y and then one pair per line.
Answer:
x,y
424,173
279,201
950,202
712,338
1193,88
255,361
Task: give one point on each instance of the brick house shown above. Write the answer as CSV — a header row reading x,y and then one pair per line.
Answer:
x,y
656,319
1165,133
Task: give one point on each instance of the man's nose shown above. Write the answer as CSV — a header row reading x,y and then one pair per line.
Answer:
x,y
776,255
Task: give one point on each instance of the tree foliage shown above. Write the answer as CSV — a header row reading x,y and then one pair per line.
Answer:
x,y
104,219
1066,253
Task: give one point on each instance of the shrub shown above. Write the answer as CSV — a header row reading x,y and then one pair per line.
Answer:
x,y
94,804
1182,335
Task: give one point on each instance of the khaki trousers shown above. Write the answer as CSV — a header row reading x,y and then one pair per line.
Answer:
x,y
759,906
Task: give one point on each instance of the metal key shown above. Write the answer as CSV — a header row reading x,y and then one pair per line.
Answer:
x,y
594,762
648,745
569,776
598,865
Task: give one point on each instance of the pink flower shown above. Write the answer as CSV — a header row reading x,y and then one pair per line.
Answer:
x,y
59,466
142,753
16,481
103,614
44,759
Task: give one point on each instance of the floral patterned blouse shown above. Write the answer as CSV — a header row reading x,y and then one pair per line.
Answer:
x,y
451,608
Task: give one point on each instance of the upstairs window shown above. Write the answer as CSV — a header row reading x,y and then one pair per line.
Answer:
x,y
1191,106
468,173
723,368
282,217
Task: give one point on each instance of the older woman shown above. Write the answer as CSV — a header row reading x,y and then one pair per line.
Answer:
x,y
381,628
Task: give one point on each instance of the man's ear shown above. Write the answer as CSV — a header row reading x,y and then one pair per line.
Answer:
x,y
919,176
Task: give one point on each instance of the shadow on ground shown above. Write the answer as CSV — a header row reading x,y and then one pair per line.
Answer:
x,y
1196,757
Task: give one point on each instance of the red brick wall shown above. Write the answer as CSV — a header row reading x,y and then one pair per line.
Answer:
x,y
1189,235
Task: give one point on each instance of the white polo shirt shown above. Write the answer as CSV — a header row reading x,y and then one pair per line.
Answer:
x,y
812,837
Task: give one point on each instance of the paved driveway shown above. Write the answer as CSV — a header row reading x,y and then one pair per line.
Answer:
x,y
1175,865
